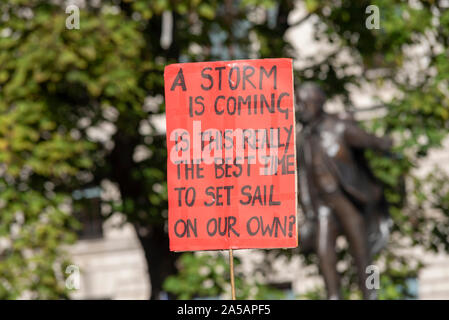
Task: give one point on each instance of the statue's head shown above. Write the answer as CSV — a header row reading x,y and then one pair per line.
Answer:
x,y
309,102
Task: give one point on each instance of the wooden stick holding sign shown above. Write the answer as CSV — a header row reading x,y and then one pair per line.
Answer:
x,y
231,167
231,271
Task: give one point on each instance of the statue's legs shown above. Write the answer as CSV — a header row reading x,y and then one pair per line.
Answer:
x,y
326,238
378,224
354,229
307,234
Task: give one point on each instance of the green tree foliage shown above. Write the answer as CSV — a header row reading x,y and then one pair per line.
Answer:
x,y
206,275
57,86
51,79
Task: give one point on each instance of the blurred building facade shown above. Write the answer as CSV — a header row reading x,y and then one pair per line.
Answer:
x,y
112,266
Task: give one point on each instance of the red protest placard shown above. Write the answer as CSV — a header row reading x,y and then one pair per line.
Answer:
x,y
231,166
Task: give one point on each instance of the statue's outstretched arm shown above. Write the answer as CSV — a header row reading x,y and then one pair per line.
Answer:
x,y
359,138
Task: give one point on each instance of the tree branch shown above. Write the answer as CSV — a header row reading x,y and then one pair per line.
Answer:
x,y
370,108
297,23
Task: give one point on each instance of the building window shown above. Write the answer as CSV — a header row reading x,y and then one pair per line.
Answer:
x,y
87,209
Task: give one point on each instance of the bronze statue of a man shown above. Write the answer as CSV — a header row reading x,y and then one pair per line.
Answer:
x,y
337,191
